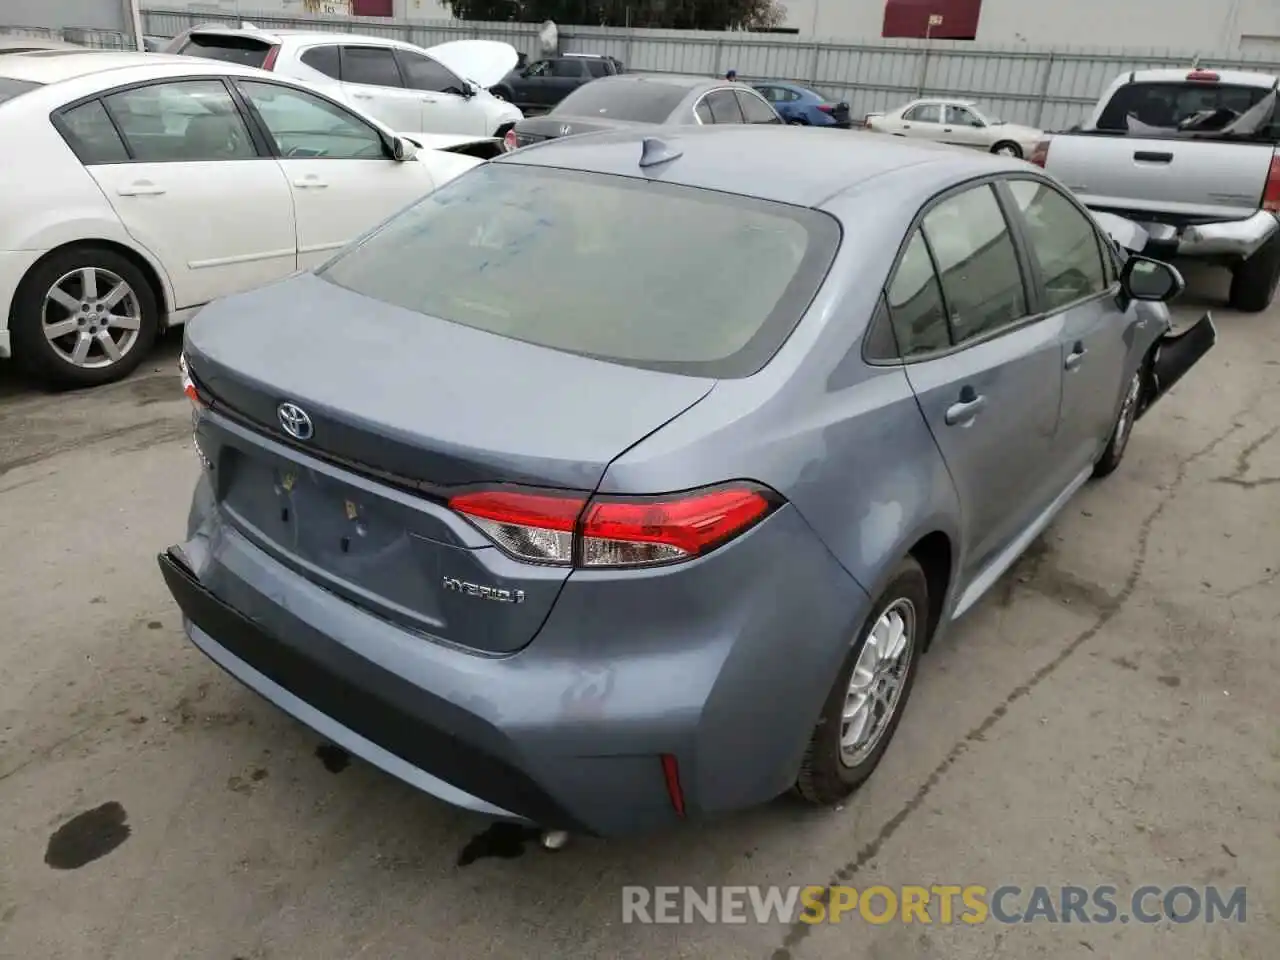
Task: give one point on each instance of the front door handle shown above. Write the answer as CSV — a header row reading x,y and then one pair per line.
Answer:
x,y
1076,356
427,99
141,188
946,129
966,408
310,182
906,126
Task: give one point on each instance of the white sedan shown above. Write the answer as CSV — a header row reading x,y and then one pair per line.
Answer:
x,y
136,187
959,122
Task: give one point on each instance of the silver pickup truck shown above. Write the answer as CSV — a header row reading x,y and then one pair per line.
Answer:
x,y
1191,155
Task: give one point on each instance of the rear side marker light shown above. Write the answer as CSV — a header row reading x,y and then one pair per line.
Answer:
x,y
1040,155
566,529
671,774
1271,193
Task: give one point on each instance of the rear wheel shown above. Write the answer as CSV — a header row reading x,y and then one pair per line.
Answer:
x,y
1254,282
866,702
1007,148
83,316
797,122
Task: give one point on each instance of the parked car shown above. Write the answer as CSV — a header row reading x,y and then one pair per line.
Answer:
x,y
958,122
684,546
639,99
1193,156
804,105
541,85
443,89
137,187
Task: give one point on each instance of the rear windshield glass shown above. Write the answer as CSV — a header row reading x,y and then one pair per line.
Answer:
x,y
626,100
1203,106
698,282
11,88
248,51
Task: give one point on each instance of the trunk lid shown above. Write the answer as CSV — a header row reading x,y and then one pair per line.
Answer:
x,y
1178,178
552,125
402,407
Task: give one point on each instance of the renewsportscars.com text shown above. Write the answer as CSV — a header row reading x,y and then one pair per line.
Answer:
x,y
934,904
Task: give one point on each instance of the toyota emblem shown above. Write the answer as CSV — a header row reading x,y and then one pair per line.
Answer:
x,y
564,129
294,421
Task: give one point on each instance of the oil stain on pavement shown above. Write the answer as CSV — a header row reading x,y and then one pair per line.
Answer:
x,y
503,841
87,837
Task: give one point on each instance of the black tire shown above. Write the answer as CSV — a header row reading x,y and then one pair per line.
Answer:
x,y
1122,429
504,93
798,122
826,776
1013,149
35,352
1254,281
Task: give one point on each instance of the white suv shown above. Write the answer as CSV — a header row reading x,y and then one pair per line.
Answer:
x,y
441,90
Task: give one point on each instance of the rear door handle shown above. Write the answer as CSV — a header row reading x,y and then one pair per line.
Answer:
x,y
1152,156
968,407
427,99
362,96
1076,356
946,129
141,188
310,182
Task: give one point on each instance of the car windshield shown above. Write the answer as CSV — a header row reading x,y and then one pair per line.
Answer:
x,y
642,101
12,88
699,282
248,51
1179,105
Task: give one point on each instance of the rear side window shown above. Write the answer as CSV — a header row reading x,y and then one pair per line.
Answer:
x,y
1206,106
249,51
12,88
566,68
534,254
915,303
373,66
597,68
91,135
924,113
639,100
977,263
323,60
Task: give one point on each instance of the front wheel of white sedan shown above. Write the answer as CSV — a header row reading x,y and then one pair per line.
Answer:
x,y
1007,148
82,317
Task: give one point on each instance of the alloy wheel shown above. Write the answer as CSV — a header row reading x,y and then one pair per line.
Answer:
x,y
876,685
91,317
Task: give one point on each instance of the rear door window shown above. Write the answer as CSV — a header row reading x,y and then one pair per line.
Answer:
x,y
977,264
567,67
535,254
924,113
755,110
184,121
723,106
323,60
247,51
371,66
597,68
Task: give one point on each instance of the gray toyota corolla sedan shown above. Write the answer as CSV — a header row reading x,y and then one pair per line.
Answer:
x,y
625,479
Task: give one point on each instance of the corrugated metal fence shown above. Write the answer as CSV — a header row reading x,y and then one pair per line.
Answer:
x,y
83,36
1047,87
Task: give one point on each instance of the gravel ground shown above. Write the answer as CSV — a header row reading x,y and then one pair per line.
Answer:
x,y
1108,715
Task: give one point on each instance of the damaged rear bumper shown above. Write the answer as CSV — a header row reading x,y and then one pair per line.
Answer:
x,y
1228,239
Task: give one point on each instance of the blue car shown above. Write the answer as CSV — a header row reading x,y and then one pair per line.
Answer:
x,y
804,105
595,529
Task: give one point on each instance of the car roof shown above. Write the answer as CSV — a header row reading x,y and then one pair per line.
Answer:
x,y
1243,78
293,34
56,66
786,164
684,81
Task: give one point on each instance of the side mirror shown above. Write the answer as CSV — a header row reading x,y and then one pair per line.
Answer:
x,y
403,149
1152,280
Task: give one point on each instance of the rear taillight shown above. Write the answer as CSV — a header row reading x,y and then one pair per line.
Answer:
x,y
571,530
1040,155
1271,192
510,141
270,62
826,108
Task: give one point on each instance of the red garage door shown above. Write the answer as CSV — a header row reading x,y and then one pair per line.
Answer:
x,y
372,8
910,18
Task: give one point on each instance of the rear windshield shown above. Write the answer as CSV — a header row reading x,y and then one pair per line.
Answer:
x,y
249,51
1184,106
12,88
625,100
697,282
